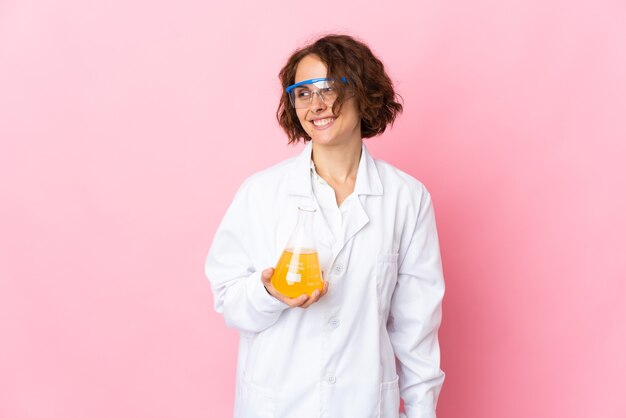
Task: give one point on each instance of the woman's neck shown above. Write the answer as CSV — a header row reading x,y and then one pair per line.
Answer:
x,y
337,164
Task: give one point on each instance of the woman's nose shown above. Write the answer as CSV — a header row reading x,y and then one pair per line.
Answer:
x,y
317,104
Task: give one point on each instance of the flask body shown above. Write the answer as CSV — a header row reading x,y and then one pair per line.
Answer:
x,y
298,271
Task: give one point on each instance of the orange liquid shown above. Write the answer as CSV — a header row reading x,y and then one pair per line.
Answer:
x,y
297,273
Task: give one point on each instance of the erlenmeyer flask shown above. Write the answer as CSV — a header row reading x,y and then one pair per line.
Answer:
x,y
298,269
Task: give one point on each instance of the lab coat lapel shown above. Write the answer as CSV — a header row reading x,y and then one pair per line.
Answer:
x,y
355,222
367,179
367,183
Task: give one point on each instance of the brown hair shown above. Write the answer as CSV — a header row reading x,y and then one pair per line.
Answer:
x,y
344,56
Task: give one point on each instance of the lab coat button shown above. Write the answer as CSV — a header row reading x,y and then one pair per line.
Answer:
x,y
333,322
338,269
331,380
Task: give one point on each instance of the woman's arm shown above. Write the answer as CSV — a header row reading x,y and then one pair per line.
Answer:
x,y
237,287
415,316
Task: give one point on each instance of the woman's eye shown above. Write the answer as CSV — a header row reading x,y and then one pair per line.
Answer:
x,y
302,94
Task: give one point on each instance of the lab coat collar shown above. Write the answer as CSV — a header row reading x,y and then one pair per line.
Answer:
x,y
367,178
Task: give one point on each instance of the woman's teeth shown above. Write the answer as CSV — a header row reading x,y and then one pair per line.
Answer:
x,y
323,122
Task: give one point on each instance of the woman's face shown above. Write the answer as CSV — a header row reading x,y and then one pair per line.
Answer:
x,y
318,120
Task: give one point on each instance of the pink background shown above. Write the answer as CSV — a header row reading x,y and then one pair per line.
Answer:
x,y
126,128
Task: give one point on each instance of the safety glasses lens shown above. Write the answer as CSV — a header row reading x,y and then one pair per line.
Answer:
x,y
302,96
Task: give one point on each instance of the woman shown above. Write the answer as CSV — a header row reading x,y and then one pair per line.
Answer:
x,y
333,354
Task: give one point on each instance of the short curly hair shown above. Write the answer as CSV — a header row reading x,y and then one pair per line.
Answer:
x,y
347,57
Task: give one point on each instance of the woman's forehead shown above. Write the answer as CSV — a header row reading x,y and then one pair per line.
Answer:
x,y
310,67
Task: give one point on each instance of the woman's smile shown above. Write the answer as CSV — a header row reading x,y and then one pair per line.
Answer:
x,y
322,123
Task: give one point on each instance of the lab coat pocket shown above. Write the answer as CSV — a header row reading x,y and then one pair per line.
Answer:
x,y
389,399
386,278
256,401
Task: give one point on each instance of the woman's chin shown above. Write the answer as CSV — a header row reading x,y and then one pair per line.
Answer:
x,y
322,138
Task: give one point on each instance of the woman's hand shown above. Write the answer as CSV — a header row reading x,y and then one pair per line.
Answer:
x,y
302,301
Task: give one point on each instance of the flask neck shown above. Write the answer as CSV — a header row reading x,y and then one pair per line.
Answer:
x,y
302,238
305,218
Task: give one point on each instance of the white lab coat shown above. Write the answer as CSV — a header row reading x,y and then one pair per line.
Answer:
x,y
336,358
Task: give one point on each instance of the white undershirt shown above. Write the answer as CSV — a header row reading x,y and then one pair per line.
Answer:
x,y
327,201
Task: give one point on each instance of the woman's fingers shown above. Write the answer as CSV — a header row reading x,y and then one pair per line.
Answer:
x,y
314,298
295,302
325,288
316,295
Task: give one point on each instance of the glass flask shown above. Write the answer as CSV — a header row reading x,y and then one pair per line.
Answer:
x,y
298,269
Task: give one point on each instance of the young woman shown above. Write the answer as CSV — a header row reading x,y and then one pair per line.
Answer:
x,y
333,354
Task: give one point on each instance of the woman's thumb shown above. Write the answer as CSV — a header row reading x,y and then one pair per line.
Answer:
x,y
266,274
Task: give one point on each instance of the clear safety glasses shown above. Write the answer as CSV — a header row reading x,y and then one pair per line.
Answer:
x,y
301,94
